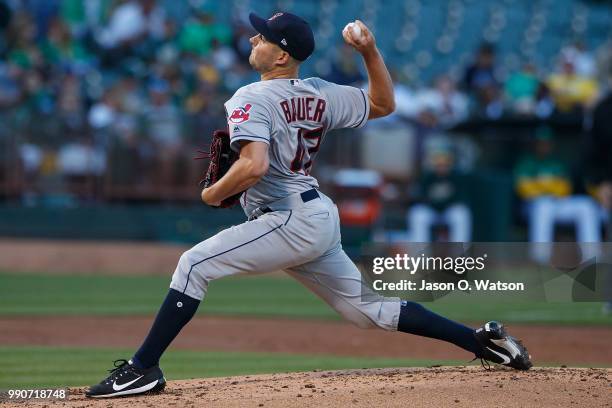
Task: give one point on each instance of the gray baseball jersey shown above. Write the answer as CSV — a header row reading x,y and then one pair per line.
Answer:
x,y
300,237
292,116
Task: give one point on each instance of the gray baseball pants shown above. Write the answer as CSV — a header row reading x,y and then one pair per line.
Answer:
x,y
300,238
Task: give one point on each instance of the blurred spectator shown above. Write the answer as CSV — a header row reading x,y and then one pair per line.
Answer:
x,y
223,56
37,95
199,32
480,82
131,158
10,91
70,102
604,61
481,73
239,75
102,116
442,199
345,68
80,164
162,117
205,112
80,159
31,158
521,89
544,104
527,95
444,102
491,102
162,123
131,22
429,111
543,183
75,14
21,38
570,90
59,48
129,95
43,11
581,59
207,74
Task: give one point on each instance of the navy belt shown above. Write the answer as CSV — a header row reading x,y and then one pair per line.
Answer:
x,y
306,196
309,195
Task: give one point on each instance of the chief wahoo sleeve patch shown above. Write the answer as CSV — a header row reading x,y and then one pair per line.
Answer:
x,y
240,114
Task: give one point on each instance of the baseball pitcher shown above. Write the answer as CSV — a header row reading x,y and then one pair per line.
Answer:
x,y
275,129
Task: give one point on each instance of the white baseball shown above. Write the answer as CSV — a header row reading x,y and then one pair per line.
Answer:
x,y
355,27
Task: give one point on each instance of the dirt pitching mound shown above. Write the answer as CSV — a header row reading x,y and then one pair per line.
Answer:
x,y
415,387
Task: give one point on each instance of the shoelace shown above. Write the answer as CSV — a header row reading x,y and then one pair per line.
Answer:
x,y
117,371
482,362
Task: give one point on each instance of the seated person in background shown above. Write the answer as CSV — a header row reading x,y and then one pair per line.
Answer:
x,y
571,91
444,101
521,88
442,199
542,181
162,123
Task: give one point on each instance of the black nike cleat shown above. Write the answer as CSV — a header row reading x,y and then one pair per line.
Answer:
x,y
500,348
125,379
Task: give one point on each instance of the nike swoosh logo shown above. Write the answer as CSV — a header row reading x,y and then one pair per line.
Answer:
x,y
504,357
508,345
122,386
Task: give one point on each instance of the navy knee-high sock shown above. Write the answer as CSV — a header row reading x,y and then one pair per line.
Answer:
x,y
415,319
173,315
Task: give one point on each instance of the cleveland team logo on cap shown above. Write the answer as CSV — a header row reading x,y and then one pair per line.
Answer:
x,y
290,32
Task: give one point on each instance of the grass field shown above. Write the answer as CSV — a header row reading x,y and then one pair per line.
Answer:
x,y
58,367
264,296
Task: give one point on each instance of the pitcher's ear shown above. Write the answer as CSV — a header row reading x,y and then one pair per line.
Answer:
x,y
283,58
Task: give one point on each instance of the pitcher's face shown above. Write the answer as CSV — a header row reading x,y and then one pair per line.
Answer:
x,y
263,53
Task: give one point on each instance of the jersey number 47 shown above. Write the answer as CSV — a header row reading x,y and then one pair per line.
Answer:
x,y
309,142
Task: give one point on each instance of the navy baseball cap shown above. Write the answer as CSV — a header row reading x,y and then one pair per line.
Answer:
x,y
288,31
